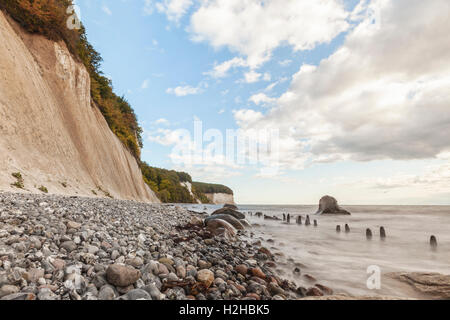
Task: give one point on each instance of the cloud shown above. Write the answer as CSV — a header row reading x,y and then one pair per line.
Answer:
x,y
261,98
255,28
162,121
183,91
106,10
382,95
285,63
245,116
174,9
145,84
203,163
252,77
221,70
435,179
148,7
274,84
167,137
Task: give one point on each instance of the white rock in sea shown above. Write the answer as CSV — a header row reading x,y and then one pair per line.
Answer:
x,y
329,205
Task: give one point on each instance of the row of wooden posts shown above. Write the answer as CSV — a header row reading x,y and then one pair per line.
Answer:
x,y
369,234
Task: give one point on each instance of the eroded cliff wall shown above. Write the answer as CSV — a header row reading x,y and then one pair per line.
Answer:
x,y
220,198
50,131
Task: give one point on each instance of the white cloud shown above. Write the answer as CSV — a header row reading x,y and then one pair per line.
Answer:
x,y
382,95
245,116
167,137
145,84
274,84
221,70
267,76
148,7
162,121
434,179
285,63
261,98
252,77
106,10
255,28
174,9
203,163
183,91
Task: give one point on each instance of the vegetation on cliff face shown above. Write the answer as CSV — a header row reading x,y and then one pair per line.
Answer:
x,y
49,18
167,184
211,188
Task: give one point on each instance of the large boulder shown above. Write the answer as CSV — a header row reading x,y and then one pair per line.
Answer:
x,y
433,285
231,212
228,218
245,223
231,206
218,227
329,205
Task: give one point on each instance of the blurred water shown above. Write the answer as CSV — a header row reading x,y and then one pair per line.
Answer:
x,y
340,260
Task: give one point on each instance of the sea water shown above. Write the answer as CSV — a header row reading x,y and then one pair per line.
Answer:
x,y
341,260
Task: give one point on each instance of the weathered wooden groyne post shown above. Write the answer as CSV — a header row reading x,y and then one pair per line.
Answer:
x,y
368,234
382,233
433,242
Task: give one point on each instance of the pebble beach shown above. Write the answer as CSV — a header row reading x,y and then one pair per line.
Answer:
x,y
72,248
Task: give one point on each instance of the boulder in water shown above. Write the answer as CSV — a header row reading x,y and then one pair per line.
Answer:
x,y
231,212
271,218
231,206
245,223
228,218
329,205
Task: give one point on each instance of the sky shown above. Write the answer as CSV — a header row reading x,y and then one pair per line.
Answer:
x,y
346,98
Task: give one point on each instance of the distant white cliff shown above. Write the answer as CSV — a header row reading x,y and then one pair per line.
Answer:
x,y
220,198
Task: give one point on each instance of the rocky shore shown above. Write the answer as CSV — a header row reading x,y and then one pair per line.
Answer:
x,y
72,248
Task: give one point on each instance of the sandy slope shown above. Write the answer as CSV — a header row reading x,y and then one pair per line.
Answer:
x,y
50,131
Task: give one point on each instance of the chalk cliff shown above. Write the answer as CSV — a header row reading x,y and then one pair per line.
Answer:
x,y
220,198
50,130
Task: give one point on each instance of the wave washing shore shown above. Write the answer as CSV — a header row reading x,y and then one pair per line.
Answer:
x,y
54,247
340,260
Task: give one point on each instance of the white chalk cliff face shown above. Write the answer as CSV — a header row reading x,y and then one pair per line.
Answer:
x,y
220,198
50,131
188,186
